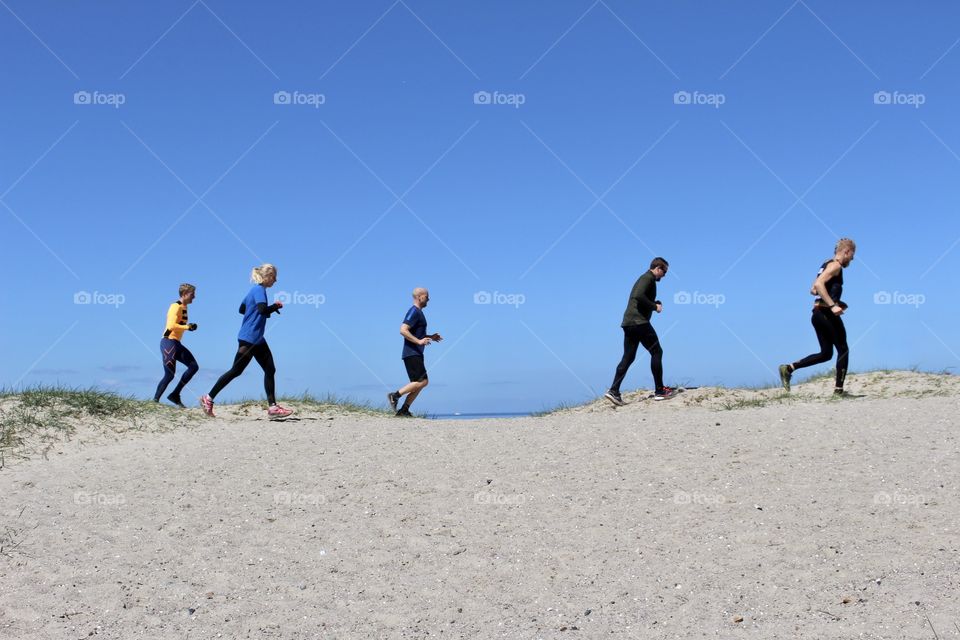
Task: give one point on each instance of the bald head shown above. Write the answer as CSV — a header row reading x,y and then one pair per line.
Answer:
x,y
421,297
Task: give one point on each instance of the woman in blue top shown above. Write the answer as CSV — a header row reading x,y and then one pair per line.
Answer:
x,y
255,312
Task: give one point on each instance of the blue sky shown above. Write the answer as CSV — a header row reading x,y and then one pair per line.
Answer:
x,y
543,155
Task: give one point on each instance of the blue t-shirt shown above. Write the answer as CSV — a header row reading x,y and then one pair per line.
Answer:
x,y
254,322
418,327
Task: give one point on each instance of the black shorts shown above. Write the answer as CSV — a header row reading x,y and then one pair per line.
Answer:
x,y
416,371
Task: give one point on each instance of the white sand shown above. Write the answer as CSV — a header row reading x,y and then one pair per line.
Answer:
x,y
810,518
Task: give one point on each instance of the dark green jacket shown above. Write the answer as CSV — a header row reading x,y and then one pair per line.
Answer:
x,y
643,301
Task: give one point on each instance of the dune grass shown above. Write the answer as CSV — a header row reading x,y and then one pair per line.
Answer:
x,y
34,419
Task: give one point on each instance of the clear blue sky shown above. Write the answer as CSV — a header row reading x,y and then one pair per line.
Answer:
x,y
560,188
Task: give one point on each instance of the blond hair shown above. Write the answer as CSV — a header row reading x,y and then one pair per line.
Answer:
x,y
258,275
844,243
186,288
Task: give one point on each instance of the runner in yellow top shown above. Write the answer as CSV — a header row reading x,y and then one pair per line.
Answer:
x,y
172,349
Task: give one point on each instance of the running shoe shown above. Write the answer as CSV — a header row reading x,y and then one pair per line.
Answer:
x,y
785,375
665,394
276,412
207,403
393,398
176,400
614,398
404,413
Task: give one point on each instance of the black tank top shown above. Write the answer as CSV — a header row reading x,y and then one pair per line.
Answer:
x,y
834,285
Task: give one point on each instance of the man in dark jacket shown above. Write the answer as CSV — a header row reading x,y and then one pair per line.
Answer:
x,y
637,330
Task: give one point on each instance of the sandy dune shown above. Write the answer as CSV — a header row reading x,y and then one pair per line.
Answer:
x,y
719,514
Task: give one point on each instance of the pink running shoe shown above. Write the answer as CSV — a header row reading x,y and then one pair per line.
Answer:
x,y
276,412
207,403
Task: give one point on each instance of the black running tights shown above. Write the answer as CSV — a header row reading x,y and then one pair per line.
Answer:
x,y
633,337
830,333
245,353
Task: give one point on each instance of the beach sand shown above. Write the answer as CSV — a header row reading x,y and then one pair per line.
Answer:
x,y
718,514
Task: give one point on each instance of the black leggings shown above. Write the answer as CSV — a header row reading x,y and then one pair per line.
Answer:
x,y
245,353
172,351
831,333
633,337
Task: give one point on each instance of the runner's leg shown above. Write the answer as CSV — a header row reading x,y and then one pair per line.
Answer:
x,y
416,391
631,340
240,362
184,356
168,354
265,359
417,374
821,324
651,342
843,352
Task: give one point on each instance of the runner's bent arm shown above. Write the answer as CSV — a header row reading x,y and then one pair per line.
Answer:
x,y
263,308
172,313
639,294
405,332
820,284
